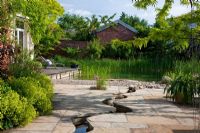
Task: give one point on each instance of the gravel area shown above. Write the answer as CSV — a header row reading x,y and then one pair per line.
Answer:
x,y
114,82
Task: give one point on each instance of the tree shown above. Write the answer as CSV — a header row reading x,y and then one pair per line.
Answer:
x,y
8,10
52,36
173,31
140,24
42,21
40,13
79,28
74,26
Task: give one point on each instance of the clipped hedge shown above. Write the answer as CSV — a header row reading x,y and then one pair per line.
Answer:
x,y
14,109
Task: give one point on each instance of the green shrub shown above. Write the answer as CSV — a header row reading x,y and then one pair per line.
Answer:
x,y
36,95
95,49
24,66
14,110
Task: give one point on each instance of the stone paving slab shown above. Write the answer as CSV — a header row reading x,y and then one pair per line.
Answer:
x,y
109,118
17,131
111,130
38,127
46,119
153,129
152,120
64,128
129,125
101,124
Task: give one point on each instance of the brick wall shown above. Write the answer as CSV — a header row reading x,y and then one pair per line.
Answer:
x,y
116,32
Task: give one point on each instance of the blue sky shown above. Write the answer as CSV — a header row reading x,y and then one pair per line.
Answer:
x,y
109,7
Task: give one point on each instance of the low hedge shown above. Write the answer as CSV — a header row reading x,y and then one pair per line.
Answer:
x,y
33,90
14,109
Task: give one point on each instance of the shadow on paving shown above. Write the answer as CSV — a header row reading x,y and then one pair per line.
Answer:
x,y
186,131
83,103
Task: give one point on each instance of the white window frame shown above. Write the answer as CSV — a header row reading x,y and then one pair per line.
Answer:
x,y
17,37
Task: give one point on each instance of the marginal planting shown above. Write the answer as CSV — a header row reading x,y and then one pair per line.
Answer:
x,y
140,69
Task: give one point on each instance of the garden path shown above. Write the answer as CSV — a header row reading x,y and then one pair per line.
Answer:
x,y
151,112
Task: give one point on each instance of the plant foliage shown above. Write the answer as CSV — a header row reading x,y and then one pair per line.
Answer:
x,y
14,109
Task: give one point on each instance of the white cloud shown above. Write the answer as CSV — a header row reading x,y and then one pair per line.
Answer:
x,y
80,12
72,9
179,10
66,5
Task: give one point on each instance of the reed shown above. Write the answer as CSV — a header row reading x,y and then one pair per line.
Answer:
x,y
139,69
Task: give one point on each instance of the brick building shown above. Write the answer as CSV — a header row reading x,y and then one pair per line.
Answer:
x,y
119,30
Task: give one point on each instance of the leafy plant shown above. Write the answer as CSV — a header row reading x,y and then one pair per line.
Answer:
x,y
183,88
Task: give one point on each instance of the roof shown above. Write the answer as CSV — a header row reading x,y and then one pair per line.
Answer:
x,y
118,22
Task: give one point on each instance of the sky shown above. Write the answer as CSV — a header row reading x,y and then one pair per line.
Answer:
x,y
87,8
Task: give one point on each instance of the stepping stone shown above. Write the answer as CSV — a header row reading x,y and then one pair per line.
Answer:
x,y
108,118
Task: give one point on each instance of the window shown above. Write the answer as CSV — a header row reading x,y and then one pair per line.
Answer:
x,y
19,33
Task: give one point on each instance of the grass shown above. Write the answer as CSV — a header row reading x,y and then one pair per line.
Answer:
x,y
140,69
144,69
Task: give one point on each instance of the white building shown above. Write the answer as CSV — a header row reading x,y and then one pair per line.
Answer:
x,y
22,33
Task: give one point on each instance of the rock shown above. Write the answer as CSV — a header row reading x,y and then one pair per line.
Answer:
x,y
120,96
150,86
122,109
108,101
93,88
141,87
131,89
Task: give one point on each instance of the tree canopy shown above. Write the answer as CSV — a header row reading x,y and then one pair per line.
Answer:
x,y
81,28
140,24
172,31
41,14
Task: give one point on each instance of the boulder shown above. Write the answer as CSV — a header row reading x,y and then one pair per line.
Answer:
x,y
131,89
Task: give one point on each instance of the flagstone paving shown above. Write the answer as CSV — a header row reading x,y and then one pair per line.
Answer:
x,y
152,113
